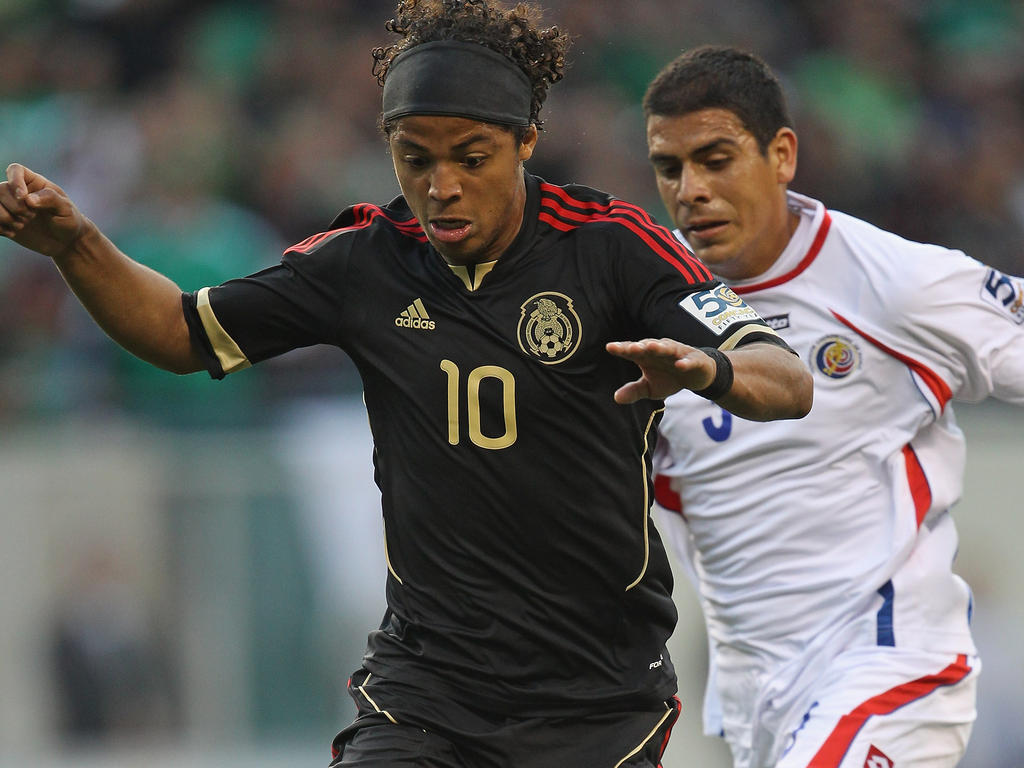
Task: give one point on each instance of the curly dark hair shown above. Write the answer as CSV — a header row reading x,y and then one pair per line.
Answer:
x,y
513,32
718,76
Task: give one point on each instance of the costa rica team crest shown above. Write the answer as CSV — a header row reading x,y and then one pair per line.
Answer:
x,y
549,328
835,356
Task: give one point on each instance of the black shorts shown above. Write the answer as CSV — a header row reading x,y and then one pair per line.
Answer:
x,y
463,737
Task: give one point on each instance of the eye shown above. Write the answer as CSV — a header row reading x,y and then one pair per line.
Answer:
x,y
473,161
717,162
414,161
667,170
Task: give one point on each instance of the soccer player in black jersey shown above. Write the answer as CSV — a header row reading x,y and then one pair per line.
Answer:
x,y
529,597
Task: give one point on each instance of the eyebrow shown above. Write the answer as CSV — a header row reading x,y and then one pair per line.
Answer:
x,y
472,139
703,149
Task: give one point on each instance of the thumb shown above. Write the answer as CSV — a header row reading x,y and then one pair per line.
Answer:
x,y
633,391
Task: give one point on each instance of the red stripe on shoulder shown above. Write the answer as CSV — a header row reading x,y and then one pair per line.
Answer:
x,y
552,189
364,215
565,212
311,242
615,206
702,272
409,226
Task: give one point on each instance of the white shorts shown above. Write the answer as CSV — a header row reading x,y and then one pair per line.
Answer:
x,y
886,708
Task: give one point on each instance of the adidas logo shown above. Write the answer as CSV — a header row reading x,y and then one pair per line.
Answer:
x,y
415,316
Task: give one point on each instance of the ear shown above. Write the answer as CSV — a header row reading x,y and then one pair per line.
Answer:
x,y
528,145
782,155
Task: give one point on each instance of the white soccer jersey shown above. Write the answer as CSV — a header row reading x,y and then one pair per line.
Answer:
x,y
814,536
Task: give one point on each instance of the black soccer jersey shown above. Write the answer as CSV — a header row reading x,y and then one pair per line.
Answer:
x,y
524,573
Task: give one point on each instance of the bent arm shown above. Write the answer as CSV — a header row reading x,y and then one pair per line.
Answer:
x,y
138,308
769,381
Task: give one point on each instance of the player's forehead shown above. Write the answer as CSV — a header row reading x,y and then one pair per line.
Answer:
x,y
683,135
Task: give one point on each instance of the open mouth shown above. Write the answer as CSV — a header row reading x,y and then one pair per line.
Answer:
x,y
450,230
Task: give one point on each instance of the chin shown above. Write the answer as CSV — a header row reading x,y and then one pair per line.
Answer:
x,y
709,255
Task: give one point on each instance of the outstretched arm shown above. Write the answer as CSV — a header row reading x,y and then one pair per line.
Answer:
x,y
138,308
769,382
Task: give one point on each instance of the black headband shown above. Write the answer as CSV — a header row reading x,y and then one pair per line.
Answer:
x,y
450,77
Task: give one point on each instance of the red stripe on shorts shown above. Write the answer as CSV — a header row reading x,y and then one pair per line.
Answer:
x,y
838,743
677,705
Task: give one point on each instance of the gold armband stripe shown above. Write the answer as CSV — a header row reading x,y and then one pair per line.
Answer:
x,y
735,339
227,351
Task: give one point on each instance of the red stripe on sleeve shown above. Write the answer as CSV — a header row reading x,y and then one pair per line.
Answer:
x,y
838,743
920,491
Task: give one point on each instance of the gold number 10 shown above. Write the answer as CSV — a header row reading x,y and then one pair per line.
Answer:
x,y
508,402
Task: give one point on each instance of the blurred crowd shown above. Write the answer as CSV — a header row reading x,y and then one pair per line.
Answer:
x,y
204,136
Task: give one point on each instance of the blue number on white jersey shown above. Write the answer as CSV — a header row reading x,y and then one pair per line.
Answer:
x,y
719,432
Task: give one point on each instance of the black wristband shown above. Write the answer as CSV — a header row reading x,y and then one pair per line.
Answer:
x,y
722,383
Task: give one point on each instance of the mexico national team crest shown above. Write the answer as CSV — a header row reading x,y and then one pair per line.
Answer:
x,y
549,328
835,356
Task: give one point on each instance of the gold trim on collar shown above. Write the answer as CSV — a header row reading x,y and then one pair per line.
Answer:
x,y
473,274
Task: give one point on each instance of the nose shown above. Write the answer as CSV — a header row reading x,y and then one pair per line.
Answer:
x,y
693,188
444,183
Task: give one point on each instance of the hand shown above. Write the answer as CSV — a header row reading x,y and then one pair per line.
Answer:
x,y
667,366
37,214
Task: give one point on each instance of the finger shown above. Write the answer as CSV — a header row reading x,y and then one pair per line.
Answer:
x,y
9,204
619,348
12,218
25,181
11,230
632,350
14,214
16,179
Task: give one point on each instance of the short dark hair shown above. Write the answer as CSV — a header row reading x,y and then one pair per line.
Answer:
x,y
721,77
515,33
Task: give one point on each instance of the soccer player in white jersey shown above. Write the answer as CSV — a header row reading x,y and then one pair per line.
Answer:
x,y
822,549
